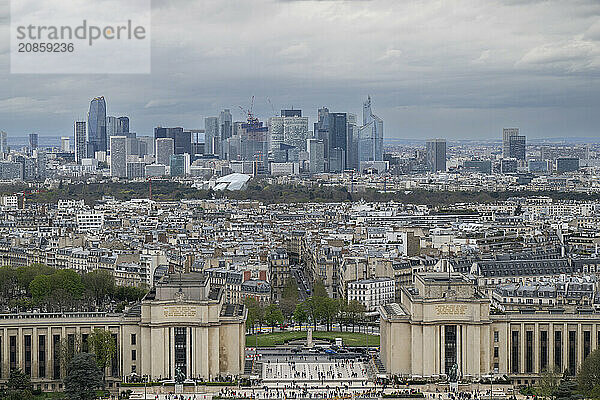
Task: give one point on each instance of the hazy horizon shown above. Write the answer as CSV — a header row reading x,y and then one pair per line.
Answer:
x,y
433,69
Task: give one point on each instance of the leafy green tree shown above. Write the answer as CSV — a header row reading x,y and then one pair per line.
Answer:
x,y
83,379
355,311
99,284
19,386
289,298
40,288
548,384
253,310
8,281
330,310
567,390
67,280
273,315
68,350
588,376
300,315
25,275
319,289
103,346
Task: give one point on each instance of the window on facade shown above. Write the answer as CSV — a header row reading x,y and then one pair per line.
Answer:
x,y
529,351
515,351
572,353
133,355
558,350
181,350
543,351
12,352
133,339
27,344
41,356
587,343
56,356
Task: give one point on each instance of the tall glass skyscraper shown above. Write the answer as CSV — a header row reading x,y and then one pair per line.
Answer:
x,y
370,141
96,127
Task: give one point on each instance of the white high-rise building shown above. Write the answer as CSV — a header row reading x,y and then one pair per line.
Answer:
x,y
65,144
3,143
80,141
370,135
165,148
316,156
275,125
118,156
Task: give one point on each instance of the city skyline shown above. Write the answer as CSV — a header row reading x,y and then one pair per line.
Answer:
x,y
533,65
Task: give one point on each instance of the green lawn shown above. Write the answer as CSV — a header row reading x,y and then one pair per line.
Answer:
x,y
350,339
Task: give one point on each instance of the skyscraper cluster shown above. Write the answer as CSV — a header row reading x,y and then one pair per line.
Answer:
x,y
336,143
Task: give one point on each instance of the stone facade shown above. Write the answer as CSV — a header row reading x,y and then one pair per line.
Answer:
x,y
442,321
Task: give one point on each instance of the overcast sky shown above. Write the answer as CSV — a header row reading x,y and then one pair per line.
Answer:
x,y
454,69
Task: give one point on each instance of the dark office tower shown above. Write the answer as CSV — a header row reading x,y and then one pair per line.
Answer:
x,y
291,113
436,155
516,147
123,125
33,141
211,135
96,126
225,131
321,132
181,138
80,141
507,133
338,139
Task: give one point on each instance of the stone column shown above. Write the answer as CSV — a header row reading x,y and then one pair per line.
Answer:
x,y
551,366
565,347
536,348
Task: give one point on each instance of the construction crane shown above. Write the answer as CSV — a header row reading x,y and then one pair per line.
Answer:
x,y
272,108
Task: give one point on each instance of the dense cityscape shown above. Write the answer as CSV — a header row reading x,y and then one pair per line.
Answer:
x,y
299,199
267,260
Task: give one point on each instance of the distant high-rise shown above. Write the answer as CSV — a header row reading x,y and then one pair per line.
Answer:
x,y
65,144
182,139
338,141
164,150
118,156
96,138
123,125
295,129
3,143
80,141
316,153
291,113
506,135
112,127
225,131
436,154
177,165
275,126
370,140
211,135
33,141
516,147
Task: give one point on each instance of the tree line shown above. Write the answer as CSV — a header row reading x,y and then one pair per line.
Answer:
x,y
317,309
40,287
